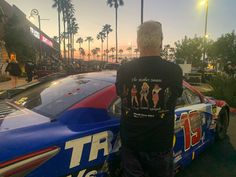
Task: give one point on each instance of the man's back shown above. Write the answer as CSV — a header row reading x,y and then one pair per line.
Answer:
x,y
149,87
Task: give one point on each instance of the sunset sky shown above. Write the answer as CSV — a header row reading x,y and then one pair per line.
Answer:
x,y
178,18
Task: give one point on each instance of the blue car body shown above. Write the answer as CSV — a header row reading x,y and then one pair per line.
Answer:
x,y
77,133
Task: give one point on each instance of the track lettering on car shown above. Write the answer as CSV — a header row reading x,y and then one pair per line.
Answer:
x,y
83,173
98,142
192,128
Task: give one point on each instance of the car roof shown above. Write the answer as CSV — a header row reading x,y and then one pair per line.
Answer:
x,y
107,75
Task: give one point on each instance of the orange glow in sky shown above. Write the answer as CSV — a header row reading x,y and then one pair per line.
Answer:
x,y
178,18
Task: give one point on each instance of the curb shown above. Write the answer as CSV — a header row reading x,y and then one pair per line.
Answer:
x,y
233,110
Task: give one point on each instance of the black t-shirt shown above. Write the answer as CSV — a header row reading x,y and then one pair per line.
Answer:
x,y
149,88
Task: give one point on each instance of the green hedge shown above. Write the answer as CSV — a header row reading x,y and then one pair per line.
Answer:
x,y
4,78
224,88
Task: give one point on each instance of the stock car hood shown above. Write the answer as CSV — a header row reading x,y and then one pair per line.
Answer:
x,y
13,117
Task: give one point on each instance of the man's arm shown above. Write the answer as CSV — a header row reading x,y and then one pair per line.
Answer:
x,y
176,86
119,85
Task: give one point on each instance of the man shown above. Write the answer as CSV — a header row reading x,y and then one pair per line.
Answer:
x,y
29,68
147,128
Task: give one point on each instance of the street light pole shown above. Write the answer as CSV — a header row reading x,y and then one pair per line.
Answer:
x,y
40,43
35,12
205,32
141,11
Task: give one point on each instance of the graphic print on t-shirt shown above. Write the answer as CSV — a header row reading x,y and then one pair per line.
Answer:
x,y
146,98
134,97
155,95
144,93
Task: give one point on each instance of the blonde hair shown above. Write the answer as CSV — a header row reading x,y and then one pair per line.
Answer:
x,y
149,35
13,60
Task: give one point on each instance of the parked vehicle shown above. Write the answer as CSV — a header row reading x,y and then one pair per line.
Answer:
x,y
70,127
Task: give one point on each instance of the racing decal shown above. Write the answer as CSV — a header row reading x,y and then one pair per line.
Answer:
x,y
27,163
21,101
193,155
192,128
177,156
85,173
99,141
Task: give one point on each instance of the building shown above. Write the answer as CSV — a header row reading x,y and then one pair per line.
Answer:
x,y
46,47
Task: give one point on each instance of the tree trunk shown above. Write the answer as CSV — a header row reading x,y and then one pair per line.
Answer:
x,y
68,47
101,50
59,28
64,40
72,45
141,11
116,35
79,50
68,40
89,50
107,47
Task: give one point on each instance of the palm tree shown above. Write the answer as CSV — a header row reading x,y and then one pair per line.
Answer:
x,y
130,50
57,4
113,49
116,4
121,51
89,39
101,36
63,9
136,51
64,36
94,52
80,41
82,52
107,29
69,17
74,30
98,50
67,13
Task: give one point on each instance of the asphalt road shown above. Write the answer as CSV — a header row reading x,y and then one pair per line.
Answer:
x,y
219,160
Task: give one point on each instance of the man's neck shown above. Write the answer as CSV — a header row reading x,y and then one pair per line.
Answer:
x,y
149,53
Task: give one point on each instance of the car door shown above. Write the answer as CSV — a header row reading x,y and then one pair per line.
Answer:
x,y
192,122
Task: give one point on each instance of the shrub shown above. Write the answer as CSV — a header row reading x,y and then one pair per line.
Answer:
x,y
224,88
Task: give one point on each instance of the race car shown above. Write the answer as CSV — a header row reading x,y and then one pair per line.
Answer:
x,y
69,126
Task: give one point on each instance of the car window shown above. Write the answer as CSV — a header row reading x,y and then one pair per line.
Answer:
x,y
52,98
115,108
183,100
192,97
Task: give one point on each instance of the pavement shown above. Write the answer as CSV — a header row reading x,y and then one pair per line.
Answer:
x,y
8,85
219,159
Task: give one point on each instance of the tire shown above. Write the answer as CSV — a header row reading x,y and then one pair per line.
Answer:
x,y
222,124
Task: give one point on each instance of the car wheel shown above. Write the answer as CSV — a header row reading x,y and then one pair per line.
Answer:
x,y
222,124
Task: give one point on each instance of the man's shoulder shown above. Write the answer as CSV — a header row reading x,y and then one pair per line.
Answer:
x,y
127,66
173,66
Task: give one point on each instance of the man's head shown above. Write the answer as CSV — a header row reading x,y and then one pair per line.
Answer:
x,y
149,38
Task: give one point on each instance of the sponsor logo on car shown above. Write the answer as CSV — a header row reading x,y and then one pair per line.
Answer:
x,y
98,142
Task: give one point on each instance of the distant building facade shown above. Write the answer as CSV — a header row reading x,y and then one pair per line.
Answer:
x,y
49,47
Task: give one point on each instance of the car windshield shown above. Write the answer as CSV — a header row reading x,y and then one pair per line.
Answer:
x,y
53,97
